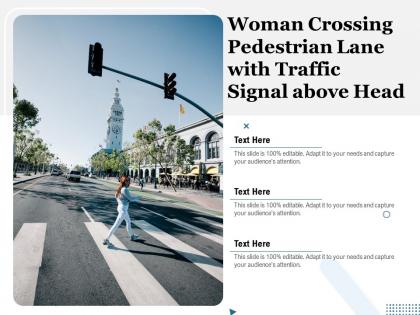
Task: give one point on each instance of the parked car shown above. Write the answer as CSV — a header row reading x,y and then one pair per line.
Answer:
x,y
92,176
74,175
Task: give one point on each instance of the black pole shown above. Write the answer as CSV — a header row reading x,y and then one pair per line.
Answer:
x,y
161,87
155,175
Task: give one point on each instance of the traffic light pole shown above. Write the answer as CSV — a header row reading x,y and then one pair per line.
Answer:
x,y
162,88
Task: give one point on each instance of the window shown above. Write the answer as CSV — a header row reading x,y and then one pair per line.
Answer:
x,y
213,146
196,143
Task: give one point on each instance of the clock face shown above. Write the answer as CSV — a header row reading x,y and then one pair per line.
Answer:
x,y
116,129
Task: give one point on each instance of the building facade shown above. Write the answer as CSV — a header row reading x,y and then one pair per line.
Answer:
x,y
206,137
115,123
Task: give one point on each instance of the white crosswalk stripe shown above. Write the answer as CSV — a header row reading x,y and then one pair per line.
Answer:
x,y
137,283
214,237
198,258
28,247
205,220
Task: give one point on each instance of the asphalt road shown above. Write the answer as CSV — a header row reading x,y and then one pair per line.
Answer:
x,y
177,260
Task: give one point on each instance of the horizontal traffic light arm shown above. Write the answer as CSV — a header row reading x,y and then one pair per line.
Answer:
x,y
162,88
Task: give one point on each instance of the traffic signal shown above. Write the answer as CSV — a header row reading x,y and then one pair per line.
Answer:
x,y
95,59
169,85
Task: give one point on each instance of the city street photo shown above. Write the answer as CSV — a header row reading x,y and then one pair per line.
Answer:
x,y
118,160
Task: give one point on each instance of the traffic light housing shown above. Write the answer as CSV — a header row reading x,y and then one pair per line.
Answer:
x,y
95,59
169,84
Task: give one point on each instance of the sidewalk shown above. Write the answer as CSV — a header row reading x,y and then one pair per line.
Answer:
x,y
21,178
208,200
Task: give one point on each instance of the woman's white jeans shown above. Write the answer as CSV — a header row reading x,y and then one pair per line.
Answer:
x,y
122,215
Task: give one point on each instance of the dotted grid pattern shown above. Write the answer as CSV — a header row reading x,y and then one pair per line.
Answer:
x,y
403,309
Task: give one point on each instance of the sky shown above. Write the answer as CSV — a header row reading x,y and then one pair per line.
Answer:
x,y
50,70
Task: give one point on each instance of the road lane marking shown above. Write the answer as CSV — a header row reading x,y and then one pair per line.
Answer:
x,y
219,216
87,214
198,258
28,186
155,213
136,282
28,247
219,225
186,205
211,236
214,237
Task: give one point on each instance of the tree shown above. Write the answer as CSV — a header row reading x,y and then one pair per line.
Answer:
x,y
47,159
63,167
23,141
15,93
117,162
121,162
163,146
98,161
80,168
37,153
138,150
114,162
25,115
137,155
184,154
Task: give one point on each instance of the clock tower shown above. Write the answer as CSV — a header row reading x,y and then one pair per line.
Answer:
x,y
115,124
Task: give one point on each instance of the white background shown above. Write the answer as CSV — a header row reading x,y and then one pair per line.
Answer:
x,y
356,231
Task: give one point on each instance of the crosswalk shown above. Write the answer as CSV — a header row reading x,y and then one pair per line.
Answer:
x,y
130,274
133,265
28,247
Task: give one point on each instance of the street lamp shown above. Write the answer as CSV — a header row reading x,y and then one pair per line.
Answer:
x,y
155,175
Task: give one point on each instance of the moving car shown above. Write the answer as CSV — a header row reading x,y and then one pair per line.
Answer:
x,y
74,175
55,172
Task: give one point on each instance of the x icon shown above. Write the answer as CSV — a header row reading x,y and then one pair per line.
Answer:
x,y
246,125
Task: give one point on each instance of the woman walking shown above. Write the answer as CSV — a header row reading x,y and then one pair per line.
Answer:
x,y
123,198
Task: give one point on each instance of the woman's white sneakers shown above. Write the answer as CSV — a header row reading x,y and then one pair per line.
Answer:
x,y
134,237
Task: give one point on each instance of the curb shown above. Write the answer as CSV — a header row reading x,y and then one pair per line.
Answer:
x,y
28,179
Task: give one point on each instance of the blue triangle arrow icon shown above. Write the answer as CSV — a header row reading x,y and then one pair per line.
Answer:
x,y
231,311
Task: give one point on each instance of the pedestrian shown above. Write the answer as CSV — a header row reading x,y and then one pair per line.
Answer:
x,y
123,197
141,183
